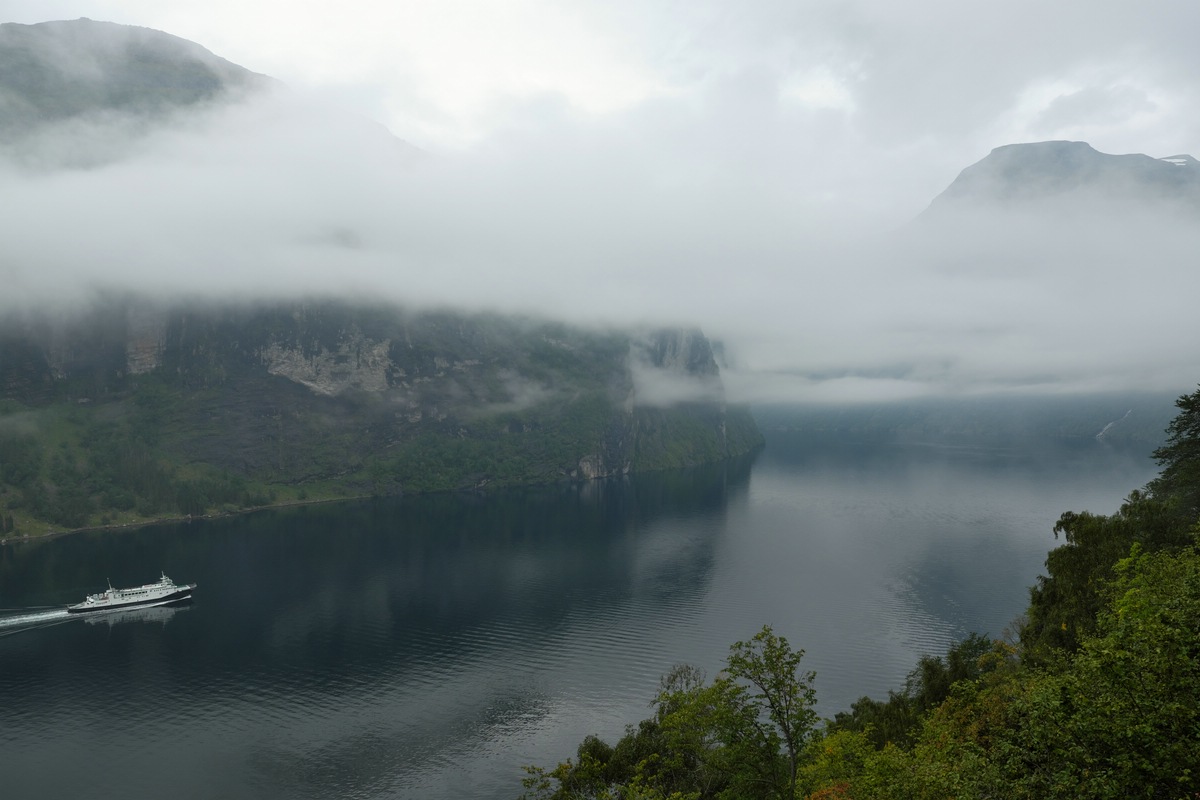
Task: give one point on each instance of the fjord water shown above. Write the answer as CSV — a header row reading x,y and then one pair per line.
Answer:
x,y
429,647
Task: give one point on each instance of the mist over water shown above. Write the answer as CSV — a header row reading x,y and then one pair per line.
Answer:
x,y
429,647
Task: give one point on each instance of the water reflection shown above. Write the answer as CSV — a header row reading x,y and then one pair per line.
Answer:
x,y
160,615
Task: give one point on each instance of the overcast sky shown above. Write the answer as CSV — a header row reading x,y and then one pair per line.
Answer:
x,y
739,166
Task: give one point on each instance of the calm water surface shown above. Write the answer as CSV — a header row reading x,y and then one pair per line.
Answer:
x,y
429,647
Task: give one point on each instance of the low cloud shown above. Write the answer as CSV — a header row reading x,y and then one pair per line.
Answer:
x,y
1095,105
521,393
657,387
647,217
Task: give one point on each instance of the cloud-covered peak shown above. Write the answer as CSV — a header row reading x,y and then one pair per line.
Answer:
x,y
1040,172
52,72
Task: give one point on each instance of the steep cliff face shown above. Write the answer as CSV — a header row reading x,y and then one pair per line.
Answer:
x,y
356,399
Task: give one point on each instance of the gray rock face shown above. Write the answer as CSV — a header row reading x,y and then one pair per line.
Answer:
x,y
680,351
145,340
356,364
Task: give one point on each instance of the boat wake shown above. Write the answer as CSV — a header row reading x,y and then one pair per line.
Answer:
x,y
157,612
22,622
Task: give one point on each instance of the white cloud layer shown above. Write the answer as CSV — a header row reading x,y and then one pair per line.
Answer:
x,y
657,163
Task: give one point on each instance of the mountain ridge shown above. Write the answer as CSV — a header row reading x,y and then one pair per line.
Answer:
x,y
56,71
1065,172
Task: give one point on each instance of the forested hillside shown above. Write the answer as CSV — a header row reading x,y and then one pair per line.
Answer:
x,y
1095,695
135,411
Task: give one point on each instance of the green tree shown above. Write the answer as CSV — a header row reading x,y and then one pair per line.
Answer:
x,y
1122,720
1119,718
832,761
1064,603
896,720
1180,458
705,744
20,459
781,695
740,737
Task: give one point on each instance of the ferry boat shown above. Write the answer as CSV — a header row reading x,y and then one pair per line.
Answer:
x,y
152,594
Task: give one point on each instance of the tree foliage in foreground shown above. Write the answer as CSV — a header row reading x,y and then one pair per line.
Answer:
x,y
1179,459
1098,699
1065,602
1118,718
896,719
741,735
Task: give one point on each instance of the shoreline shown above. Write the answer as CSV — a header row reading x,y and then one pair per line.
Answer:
x,y
124,526
477,489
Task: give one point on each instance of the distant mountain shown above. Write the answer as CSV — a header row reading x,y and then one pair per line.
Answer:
x,y
57,71
81,93
1064,173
